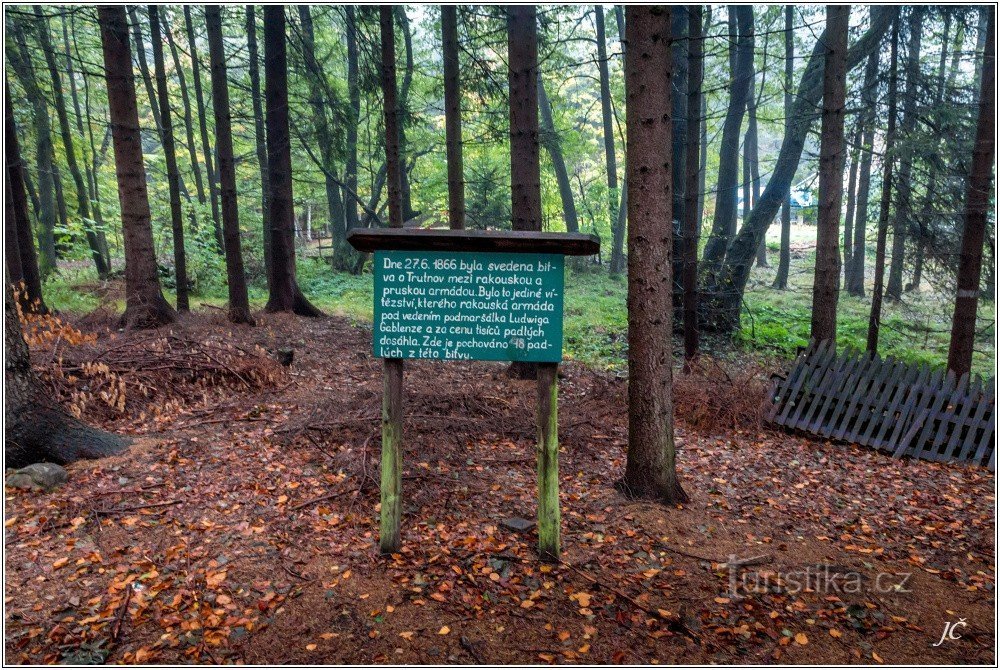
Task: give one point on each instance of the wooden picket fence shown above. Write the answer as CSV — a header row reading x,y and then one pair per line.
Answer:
x,y
902,408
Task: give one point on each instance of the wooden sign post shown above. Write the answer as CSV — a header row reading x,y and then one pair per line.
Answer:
x,y
470,295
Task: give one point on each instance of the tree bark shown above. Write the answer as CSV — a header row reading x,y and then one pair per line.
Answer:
x,y
145,306
36,429
260,140
391,112
354,95
453,117
403,100
213,188
610,160
692,162
650,470
620,221
82,201
904,206
285,295
17,55
679,104
784,249
875,317
852,187
525,167
869,100
550,139
19,245
170,156
730,282
963,325
239,304
319,103
192,148
727,193
826,284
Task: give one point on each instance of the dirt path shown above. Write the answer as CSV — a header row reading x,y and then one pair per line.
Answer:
x,y
242,527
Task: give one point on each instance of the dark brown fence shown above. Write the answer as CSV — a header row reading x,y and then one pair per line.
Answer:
x,y
906,409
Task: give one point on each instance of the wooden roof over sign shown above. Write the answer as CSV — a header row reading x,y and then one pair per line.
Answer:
x,y
508,241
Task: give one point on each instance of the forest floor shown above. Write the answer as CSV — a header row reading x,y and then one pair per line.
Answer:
x,y
241,525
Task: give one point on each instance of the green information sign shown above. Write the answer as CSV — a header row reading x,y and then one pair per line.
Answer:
x,y
466,305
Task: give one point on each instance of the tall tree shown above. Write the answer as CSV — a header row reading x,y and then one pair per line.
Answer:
x,y
691,223
285,295
904,206
618,227
453,117
145,306
679,101
17,56
730,282
403,100
239,304
59,99
170,156
784,250
980,187
354,118
260,139
852,189
213,188
888,157
549,138
199,182
826,285
525,166
727,191
320,102
36,428
650,466
869,100
610,160
392,112
19,245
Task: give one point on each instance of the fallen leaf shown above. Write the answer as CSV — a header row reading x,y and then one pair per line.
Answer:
x,y
444,630
835,633
801,638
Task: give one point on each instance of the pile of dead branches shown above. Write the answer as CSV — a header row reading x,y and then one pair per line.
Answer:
x,y
714,396
142,375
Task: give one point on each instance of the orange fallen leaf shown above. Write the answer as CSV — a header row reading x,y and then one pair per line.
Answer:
x,y
407,634
835,633
60,563
310,647
877,657
563,635
527,604
801,638
444,630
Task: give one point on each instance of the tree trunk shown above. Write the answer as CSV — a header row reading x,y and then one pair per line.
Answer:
x,y
963,325
730,283
679,104
260,140
727,192
17,55
650,470
213,189
874,319
453,117
826,285
904,205
610,160
82,201
391,110
36,429
751,158
691,221
404,107
852,184
525,168
354,94
618,228
19,247
784,249
869,101
170,156
319,103
239,304
932,177
199,183
145,306
285,295
90,172
550,139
